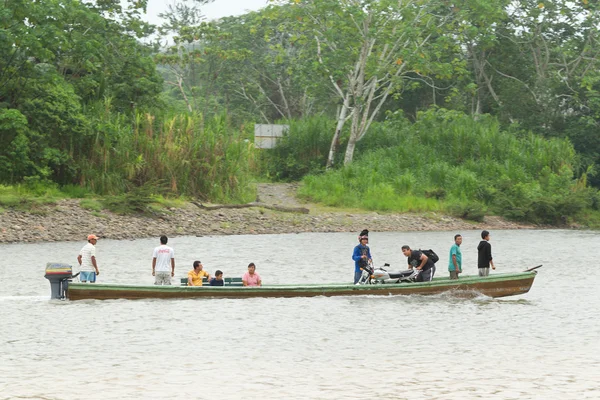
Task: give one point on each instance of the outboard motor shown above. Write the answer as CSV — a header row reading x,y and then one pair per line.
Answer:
x,y
59,276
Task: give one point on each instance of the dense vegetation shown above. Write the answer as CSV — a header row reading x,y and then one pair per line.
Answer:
x,y
184,154
469,107
446,161
80,103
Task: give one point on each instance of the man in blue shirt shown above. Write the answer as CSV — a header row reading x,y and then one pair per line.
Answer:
x,y
455,262
361,255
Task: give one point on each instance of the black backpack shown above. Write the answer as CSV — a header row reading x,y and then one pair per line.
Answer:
x,y
431,255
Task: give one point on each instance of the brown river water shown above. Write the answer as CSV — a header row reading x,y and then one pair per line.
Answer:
x,y
541,345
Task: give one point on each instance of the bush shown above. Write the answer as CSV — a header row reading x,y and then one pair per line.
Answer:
x,y
138,200
91,204
302,150
211,159
28,197
469,166
75,191
470,210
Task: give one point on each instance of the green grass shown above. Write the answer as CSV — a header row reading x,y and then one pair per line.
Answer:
x,y
302,150
75,191
135,201
189,156
168,202
9,199
25,198
91,204
588,218
141,200
449,162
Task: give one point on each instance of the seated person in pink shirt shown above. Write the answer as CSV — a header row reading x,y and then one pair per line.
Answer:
x,y
251,278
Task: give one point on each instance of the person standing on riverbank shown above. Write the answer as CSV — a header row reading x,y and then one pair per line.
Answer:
x,y
361,254
455,263
87,261
161,258
484,255
251,278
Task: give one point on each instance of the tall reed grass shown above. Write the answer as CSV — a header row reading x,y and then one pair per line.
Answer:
x,y
210,160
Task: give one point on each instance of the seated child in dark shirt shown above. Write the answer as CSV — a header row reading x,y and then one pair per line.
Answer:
x,y
217,280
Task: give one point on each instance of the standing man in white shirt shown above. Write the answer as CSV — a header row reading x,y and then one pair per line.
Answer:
x,y
161,258
87,261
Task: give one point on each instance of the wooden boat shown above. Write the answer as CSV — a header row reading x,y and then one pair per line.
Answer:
x,y
496,285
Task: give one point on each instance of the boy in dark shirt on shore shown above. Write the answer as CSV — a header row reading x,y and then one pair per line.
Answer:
x,y
217,280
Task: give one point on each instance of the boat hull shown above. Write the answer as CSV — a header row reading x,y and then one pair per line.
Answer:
x,y
497,285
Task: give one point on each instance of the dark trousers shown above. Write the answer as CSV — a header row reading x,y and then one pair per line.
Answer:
x,y
426,275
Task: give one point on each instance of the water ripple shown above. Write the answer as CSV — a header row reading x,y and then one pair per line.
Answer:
x,y
543,345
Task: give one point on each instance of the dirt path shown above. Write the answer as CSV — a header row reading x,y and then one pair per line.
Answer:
x,y
281,194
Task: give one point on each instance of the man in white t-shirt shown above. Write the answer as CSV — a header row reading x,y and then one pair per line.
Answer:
x,y
162,257
87,261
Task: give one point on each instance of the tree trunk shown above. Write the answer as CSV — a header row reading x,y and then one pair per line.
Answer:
x,y
338,131
350,149
185,98
354,135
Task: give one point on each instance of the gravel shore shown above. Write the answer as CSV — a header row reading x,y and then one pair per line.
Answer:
x,y
67,221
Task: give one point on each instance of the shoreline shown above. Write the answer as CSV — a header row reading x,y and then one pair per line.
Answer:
x,y
67,221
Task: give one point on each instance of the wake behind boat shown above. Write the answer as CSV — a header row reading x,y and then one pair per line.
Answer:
x,y
497,285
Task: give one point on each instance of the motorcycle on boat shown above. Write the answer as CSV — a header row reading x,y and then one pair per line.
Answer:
x,y
380,275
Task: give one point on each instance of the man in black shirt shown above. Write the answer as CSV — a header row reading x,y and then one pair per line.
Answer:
x,y
484,255
421,262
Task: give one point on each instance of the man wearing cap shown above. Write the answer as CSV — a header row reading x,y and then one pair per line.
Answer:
x,y
87,261
161,258
361,254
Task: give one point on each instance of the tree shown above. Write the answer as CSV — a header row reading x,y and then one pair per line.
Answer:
x,y
275,73
184,24
57,58
15,161
369,49
253,62
543,71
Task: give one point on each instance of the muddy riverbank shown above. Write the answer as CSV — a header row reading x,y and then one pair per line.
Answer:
x,y
67,221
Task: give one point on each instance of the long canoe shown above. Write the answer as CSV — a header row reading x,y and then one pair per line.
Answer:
x,y
496,285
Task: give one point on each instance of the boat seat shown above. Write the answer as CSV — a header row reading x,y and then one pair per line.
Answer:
x,y
226,281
